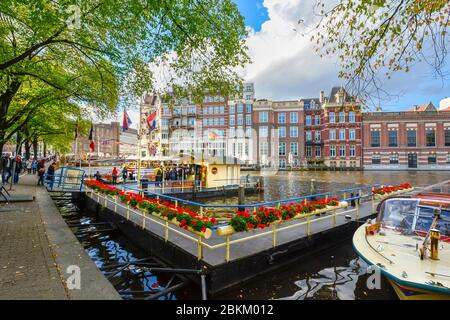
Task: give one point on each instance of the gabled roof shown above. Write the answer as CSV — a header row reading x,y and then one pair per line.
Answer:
x,y
424,107
334,93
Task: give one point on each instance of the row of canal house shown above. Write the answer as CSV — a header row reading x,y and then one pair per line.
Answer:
x,y
330,131
333,132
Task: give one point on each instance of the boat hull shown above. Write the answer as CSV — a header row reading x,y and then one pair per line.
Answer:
x,y
410,293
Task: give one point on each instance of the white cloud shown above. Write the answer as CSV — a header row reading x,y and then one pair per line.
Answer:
x,y
284,63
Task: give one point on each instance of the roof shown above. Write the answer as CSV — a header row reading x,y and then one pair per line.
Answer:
x,y
334,92
308,100
424,107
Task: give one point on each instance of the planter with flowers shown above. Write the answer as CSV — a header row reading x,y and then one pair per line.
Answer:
x,y
182,217
387,191
265,217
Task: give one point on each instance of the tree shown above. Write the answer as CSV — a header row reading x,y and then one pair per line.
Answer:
x,y
84,51
374,38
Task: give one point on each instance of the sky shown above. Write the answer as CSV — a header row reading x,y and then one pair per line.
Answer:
x,y
285,66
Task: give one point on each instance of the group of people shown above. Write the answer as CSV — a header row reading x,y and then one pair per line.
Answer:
x,y
13,166
126,175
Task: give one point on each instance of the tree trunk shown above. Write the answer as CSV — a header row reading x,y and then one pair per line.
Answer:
x,y
5,102
45,150
27,149
35,148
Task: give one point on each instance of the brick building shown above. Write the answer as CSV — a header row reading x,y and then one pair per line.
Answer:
x,y
418,139
279,129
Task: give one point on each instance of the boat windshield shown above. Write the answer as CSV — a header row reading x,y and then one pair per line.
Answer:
x,y
409,217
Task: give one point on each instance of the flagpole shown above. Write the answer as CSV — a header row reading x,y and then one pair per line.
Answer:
x,y
139,162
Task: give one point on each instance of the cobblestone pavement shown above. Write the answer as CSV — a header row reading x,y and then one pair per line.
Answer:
x,y
27,265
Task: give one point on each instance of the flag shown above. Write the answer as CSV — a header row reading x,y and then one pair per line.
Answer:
x,y
76,129
151,121
91,138
126,120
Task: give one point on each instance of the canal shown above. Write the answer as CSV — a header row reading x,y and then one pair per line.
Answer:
x,y
336,273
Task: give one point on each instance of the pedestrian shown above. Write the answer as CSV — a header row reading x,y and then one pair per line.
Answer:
x,y
124,174
173,174
29,164
7,167
51,175
17,169
158,176
34,166
115,173
41,172
98,176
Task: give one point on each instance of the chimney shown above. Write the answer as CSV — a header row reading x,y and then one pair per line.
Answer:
x,y
322,95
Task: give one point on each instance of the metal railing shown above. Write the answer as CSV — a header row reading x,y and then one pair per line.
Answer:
x,y
64,180
275,228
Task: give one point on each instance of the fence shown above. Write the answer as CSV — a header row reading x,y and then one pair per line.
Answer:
x,y
275,228
65,179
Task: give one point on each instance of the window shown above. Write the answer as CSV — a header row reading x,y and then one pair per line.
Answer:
x,y
341,117
308,136
263,116
232,120
375,138
431,137
248,108
317,135
308,120
264,148
411,137
216,121
232,132
210,121
317,120
240,108
293,118
332,117
211,110
341,151
352,134
294,132
248,119
318,152
341,134
216,110
352,150
393,159
332,134
392,138
231,108
222,109
263,132
448,157
447,137
432,159
282,117
248,132
308,151
332,151
240,119
294,148
351,117
282,149
221,121
376,159
248,97
282,132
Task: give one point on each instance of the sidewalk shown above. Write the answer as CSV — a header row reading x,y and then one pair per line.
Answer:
x,y
27,266
36,249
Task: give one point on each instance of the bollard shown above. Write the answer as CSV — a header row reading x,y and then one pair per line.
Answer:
x,y
227,253
312,187
241,195
199,248
274,236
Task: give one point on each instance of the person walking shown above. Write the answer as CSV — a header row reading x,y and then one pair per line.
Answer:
x,y
115,173
98,176
29,164
51,174
124,174
41,172
34,166
158,176
18,169
7,167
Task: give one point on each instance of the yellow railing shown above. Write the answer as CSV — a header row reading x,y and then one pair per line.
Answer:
x,y
228,242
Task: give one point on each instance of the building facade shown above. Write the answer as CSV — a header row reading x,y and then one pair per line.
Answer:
x,y
410,140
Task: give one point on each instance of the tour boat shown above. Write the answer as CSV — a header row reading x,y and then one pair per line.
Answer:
x,y
409,242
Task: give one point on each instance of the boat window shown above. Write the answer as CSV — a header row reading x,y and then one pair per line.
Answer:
x,y
425,219
398,214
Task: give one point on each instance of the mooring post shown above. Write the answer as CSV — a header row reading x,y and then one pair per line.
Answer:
x,y
115,203
227,252
357,211
308,226
204,292
128,211
241,195
312,187
334,218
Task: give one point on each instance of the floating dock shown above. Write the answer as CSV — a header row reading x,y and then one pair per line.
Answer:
x,y
239,258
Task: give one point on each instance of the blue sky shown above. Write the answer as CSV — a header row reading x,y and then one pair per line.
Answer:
x,y
285,66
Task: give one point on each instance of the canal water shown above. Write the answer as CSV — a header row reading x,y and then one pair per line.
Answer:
x,y
336,273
